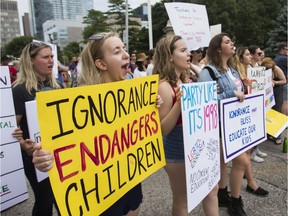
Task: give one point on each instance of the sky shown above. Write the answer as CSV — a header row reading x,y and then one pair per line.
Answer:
x,y
101,5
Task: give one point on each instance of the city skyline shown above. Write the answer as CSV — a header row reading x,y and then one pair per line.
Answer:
x,y
102,5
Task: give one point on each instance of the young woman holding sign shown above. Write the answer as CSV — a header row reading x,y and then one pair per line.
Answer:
x,y
35,74
171,61
220,50
103,60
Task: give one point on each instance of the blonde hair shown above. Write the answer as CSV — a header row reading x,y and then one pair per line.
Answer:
x,y
162,60
27,74
237,62
90,74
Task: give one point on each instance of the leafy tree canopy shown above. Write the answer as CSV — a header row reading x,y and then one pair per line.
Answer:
x,y
16,45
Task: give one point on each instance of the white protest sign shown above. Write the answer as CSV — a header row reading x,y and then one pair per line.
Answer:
x,y
242,124
13,182
34,131
190,21
261,80
55,57
200,120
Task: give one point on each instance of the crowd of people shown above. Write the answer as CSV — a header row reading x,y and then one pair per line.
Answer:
x,y
102,60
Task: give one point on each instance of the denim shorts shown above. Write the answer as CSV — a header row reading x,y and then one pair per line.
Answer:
x,y
174,145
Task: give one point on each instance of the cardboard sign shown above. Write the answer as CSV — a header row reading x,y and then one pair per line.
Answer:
x,y
261,80
13,181
34,132
105,139
190,21
242,124
200,120
276,122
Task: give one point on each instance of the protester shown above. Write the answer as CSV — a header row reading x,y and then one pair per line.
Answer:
x,y
195,65
171,61
281,61
278,83
141,63
132,63
257,56
220,50
103,60
35,74
73,70
151,64
240,62
63,70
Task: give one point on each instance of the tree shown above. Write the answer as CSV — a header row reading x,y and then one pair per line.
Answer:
x,y
278,34
16,45
72,49
96,22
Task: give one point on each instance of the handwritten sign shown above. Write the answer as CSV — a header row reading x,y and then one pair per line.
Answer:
x,y
201,140
242,124
105,140
13,183
261,80
190,21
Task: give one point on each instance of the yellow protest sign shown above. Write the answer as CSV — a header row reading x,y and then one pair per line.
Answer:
x,y
276,122
105,139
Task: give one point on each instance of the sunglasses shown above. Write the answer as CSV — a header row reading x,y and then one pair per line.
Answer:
x,y
259,54
97,36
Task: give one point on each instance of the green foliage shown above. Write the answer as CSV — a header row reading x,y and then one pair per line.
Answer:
x,y
72,49
16,45
278,34
96,21
138,40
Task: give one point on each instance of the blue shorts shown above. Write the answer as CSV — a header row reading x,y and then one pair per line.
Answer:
x,y
129,202
174,145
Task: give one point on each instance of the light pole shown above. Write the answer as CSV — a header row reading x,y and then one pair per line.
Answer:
x,y
50,37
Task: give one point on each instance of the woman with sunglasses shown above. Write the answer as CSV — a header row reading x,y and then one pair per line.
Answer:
x,y
220,50
196,66
35,74
103,60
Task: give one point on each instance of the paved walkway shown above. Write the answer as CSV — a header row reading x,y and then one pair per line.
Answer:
x,y
271,175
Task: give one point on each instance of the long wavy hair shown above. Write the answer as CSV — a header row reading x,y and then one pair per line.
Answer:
x,y
237,62
213,53
27,74
162,60
90,74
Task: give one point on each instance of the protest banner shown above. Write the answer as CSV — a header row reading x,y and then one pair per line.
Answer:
x,y
190,21
200,120
13,181
276,122
34,132
242,124
105,139
261,80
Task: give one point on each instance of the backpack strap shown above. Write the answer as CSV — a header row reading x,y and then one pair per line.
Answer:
x,y
211,73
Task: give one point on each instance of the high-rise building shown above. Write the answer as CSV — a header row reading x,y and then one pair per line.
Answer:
x,y
9,22
26,24
43,10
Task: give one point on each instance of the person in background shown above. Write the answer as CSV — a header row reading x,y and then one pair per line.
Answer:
x,y
195,65
281,61
132,63
240,62
278,83
35,74
150,65
171,62
73,70
103,60
220,50
64,73
5,60
141,63
257,56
